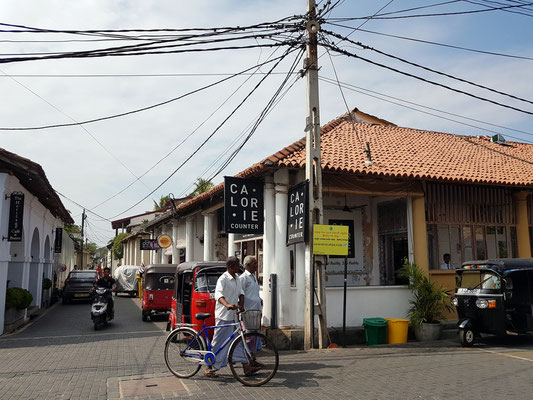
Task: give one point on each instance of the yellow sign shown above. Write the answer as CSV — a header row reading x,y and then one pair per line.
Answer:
x,y
164,241
330,240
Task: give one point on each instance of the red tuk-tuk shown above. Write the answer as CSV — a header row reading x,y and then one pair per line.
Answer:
x,y
194,292
158,286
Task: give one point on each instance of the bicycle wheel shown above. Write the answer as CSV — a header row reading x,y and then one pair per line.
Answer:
x,y
262,357
178,361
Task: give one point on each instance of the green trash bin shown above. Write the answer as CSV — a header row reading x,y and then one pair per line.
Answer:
x,y
375,330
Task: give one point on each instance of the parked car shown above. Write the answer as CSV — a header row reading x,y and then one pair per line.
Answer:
x,y
79,285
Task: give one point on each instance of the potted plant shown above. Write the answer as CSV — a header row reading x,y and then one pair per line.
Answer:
x,y
428,305
17,300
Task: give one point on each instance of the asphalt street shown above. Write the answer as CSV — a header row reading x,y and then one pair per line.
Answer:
x,y
60,356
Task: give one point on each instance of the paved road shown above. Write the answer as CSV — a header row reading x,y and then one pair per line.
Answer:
x,y
60,356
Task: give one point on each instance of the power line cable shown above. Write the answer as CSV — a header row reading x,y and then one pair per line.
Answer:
x,y
139,109
353,55
484,3
279,59
435,43
427,68
79,205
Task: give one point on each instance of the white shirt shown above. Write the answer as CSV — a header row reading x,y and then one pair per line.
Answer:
x,y
250,289
229,288
446,266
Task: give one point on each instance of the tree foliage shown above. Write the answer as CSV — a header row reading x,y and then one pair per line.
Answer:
x,y
200,186
162,201
118,247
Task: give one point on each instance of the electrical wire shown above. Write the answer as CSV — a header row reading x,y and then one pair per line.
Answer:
x,y
138,109
342,38
353,55
435,43
279,59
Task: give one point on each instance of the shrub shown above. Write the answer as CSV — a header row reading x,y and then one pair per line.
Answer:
x,y
18,298
47,283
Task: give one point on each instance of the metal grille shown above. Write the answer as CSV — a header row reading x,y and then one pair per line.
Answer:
x,y
448,203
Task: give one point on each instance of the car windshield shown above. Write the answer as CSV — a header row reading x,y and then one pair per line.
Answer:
x,y
82,275
479,279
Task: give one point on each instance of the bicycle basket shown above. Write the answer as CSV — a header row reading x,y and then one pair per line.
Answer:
x,y
252,319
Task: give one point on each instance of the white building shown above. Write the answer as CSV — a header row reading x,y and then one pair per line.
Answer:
x,y
26,262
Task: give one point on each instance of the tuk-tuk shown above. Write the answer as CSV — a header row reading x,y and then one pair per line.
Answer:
x,y
126,277
194,292
158,286
495,297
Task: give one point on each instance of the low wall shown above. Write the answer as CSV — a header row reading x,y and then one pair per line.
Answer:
x,y
446,279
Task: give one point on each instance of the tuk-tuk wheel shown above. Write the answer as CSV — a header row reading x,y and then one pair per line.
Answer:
x,y
145,316
467,337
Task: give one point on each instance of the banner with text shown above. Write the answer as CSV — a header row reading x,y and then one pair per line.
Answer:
x,y
330,240
243,205
58,243
16,215
297,216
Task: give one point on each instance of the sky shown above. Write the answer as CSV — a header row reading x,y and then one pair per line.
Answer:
x,y
91,163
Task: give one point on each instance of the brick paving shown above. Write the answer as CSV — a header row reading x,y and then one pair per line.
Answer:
x,y
60,356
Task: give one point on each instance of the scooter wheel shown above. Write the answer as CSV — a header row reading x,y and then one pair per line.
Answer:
x,y
95,326
467,337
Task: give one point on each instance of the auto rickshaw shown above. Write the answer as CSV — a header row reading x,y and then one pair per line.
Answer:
x,y
194,292
158,286
494,297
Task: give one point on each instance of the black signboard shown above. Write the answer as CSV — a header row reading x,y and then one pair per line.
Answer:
x,y
149,244
16,214
59,240
349,223
297,214
243,205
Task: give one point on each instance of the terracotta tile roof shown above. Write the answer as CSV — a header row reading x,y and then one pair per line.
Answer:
x,y
403,153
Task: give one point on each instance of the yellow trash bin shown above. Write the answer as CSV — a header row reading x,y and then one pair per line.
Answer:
x,y
397,330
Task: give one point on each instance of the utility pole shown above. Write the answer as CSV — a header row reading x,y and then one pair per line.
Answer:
x,y
314,265
82,229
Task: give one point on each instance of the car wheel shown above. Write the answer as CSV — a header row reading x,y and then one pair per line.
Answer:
x,y
467,337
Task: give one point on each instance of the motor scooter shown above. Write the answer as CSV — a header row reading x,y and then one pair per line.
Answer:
x,y
100,312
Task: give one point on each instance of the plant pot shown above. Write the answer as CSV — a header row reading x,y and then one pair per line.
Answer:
x,y
428,332
13,315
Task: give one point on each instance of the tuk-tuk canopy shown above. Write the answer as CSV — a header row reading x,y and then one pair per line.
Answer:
x,y
191,265
160,269
501,266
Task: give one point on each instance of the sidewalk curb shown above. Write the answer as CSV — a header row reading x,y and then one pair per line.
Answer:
x,y
31,321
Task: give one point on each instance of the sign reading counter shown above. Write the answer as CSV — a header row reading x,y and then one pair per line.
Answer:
x,y
297,220
330,240
243,205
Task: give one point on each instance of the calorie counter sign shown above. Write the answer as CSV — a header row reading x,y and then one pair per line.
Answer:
x,y
243,205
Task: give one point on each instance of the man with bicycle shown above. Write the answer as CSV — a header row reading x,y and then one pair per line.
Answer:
x,y
229,298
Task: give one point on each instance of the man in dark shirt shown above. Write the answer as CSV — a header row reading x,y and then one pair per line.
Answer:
x,y
109,283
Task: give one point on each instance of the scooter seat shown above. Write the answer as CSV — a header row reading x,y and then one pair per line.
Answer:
x,y
201,316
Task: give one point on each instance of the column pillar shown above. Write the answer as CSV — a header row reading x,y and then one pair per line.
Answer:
x,y
420,244
231,244
175,252
281,256
39,291
522,226
162,257
269,247
209,240
189,239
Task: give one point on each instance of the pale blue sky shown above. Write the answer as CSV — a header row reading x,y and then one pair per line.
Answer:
x,y
86,172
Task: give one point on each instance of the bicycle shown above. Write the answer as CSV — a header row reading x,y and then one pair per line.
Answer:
x,y
186,350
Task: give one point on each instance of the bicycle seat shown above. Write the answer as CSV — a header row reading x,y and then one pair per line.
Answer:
x,y
202,316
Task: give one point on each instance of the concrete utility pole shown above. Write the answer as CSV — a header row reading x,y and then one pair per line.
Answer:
x,y
82,230
313,172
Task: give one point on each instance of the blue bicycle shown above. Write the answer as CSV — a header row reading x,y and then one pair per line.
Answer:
x,y
187,350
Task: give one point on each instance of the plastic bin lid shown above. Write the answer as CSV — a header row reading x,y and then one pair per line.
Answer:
x,y
375,321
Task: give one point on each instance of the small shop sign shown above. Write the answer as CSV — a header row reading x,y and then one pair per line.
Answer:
x,y
149,244
58,240
243,205
297,214
16,215
164,241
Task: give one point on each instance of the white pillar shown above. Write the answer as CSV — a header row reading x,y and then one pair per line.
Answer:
x,y
281,265
189,239
269,247
175,252
153,253
4,249
231,244
209,240
39,293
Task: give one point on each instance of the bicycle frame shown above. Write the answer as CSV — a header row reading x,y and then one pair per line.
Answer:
x,y
200,355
